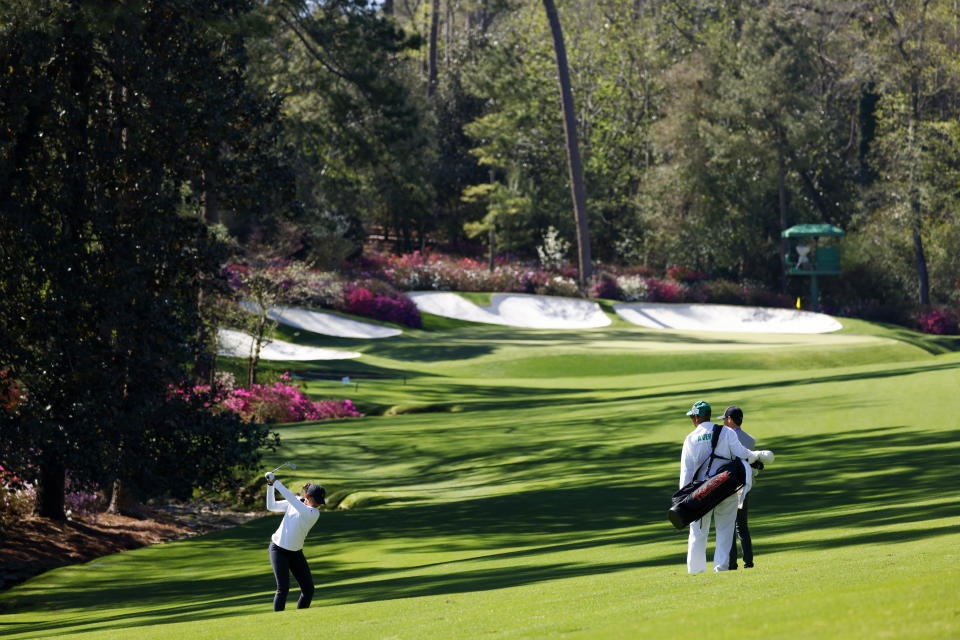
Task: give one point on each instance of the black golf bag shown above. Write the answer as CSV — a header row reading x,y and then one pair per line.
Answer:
x,y
696,499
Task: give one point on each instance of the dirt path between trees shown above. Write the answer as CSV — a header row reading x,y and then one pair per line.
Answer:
x,y
34,545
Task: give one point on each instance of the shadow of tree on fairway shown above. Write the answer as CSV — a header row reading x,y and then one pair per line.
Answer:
x,y
476,397
860,480
802,380
883,486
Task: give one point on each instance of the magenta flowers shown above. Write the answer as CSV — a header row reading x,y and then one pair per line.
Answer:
x,y
281,401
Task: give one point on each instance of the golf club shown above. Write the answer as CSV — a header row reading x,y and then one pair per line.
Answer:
x,y
285,464
269,474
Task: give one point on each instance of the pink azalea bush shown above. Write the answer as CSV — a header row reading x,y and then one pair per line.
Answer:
x,y
17,496
939,322
440,272
375,283
606,286
281,401
81,501
391,307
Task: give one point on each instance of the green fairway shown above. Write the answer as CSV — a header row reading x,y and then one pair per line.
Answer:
x,y
521,491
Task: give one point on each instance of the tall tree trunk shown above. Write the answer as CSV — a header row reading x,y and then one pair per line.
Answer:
x,y
493,248
923,279
432,60
203,360
573,149
387,7
123,502
53,480
493,232
784,243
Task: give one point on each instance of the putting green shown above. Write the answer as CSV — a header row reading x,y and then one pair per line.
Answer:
x,y
521,493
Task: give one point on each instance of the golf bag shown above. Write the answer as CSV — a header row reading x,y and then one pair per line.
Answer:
x,y
698,498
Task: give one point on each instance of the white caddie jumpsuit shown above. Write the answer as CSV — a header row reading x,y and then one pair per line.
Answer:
x,y
696,450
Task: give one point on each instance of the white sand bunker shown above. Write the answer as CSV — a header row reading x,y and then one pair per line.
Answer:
x,y
722,317
236,344
515,310
328,324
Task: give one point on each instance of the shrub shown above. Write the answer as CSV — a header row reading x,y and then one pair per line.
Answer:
x,y
553,250
439,272
285,402
726,292
683,274
869,310
559,286
743,293
666,290
939,322
280,401
396,308
82,501
326,291
606,286
12,393
17,496
634,288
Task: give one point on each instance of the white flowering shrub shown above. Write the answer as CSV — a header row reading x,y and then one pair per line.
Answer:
x,y
634,288
560,286
553,251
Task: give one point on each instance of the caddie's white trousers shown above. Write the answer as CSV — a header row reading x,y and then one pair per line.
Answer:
x,y
725,517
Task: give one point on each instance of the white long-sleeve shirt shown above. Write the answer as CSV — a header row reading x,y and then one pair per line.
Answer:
x,y
696,449
298,518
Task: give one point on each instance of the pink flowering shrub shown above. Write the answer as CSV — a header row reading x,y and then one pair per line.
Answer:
x,y
281,401
208,397
17,496
391,307
377,281
939,322
440,272
666,290
606,286
80,501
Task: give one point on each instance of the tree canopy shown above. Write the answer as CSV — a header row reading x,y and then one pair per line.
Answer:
x,y
110,116
142,141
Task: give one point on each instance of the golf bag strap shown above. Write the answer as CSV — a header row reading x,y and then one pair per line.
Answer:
x,y
714,439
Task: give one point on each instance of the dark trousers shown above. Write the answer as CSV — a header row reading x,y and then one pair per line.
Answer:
x,y
284,563
743,532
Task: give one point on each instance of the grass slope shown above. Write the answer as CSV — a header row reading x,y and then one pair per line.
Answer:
x,y
529,500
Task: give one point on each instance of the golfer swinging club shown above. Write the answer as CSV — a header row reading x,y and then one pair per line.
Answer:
x,y
286,544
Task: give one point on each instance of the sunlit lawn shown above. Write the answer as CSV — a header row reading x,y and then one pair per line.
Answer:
x,y
525,496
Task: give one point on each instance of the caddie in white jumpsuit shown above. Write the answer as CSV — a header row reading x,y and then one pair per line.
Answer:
x,y
696,450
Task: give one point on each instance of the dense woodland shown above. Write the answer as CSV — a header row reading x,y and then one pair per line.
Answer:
x,y
144,142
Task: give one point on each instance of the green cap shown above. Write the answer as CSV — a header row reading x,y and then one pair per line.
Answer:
x,y
700,408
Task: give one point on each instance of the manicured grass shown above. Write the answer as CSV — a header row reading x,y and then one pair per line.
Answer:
x,y
529,500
